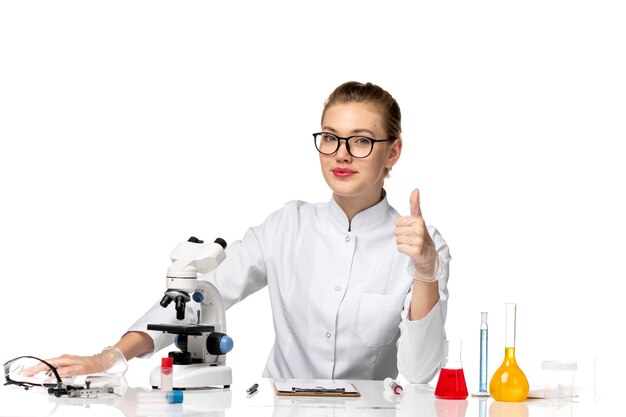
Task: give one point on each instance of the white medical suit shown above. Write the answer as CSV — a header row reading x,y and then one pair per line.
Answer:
x,y
339,294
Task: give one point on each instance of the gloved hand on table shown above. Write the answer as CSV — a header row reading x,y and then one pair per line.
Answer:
x,y
111,361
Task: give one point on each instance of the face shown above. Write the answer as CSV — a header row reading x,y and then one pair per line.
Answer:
x,y
357,178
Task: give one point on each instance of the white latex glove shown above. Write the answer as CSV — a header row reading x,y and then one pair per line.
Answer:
x,y
111,361
413,240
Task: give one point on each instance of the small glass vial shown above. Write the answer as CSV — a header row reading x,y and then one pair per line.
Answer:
x,y
393,386
167,374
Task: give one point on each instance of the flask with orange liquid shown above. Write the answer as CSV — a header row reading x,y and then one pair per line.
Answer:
x,y
509,383
451,383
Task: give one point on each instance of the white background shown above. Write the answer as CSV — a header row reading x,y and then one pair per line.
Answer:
x,y
128,126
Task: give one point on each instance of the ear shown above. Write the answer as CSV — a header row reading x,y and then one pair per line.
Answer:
x,y
394,153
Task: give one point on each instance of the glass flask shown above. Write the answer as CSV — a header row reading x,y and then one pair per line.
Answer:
x,y
509,383
451,383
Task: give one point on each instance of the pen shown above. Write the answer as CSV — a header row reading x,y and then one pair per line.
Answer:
x,y
320,390
252,389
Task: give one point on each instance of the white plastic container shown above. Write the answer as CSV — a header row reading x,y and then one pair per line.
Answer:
x,y
559,379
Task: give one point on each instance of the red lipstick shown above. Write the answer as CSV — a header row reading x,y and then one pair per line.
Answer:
x,y
343,172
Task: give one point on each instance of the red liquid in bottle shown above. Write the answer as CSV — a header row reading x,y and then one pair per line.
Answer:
x,y
451,385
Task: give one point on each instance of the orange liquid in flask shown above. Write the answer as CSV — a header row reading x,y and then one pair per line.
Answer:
x,y
509,383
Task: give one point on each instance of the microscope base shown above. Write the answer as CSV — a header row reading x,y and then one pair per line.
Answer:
x,y
196,375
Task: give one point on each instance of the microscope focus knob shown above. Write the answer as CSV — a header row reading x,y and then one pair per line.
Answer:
x,y
219,343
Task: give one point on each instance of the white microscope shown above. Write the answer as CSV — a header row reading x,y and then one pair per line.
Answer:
x,y
201,361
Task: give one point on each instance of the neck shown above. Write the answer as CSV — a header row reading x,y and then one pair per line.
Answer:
x,y
351,206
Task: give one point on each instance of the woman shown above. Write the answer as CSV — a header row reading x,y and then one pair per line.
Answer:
x,y
357,292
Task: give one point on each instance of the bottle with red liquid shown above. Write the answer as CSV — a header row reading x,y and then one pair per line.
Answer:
x,y
451,384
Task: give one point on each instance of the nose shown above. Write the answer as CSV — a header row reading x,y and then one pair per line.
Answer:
x,y
342,152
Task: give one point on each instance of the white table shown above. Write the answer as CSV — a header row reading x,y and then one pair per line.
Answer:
x,y
416,401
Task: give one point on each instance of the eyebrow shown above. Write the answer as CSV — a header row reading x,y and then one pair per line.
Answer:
x,y
354,132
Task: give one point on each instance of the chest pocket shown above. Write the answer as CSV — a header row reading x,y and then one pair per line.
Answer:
x,y
378,318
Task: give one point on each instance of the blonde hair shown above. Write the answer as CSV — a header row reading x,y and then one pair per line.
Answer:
x,y
355,92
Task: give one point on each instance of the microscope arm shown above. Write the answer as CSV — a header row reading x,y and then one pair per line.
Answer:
x,y
212,308
212,312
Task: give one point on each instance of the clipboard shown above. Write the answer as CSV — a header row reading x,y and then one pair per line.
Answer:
x,y
299,389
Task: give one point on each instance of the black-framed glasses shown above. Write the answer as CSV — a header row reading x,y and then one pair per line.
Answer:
x,y
357,146
15,367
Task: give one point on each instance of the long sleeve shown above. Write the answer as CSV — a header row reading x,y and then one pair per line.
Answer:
x,y
420,346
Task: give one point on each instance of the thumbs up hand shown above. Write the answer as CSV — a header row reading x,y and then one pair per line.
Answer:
x,y
413,240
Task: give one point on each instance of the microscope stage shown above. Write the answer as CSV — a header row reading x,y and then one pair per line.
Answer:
x,y
184,329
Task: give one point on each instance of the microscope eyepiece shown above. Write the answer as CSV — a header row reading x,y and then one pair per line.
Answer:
x,y
165,301
180,307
